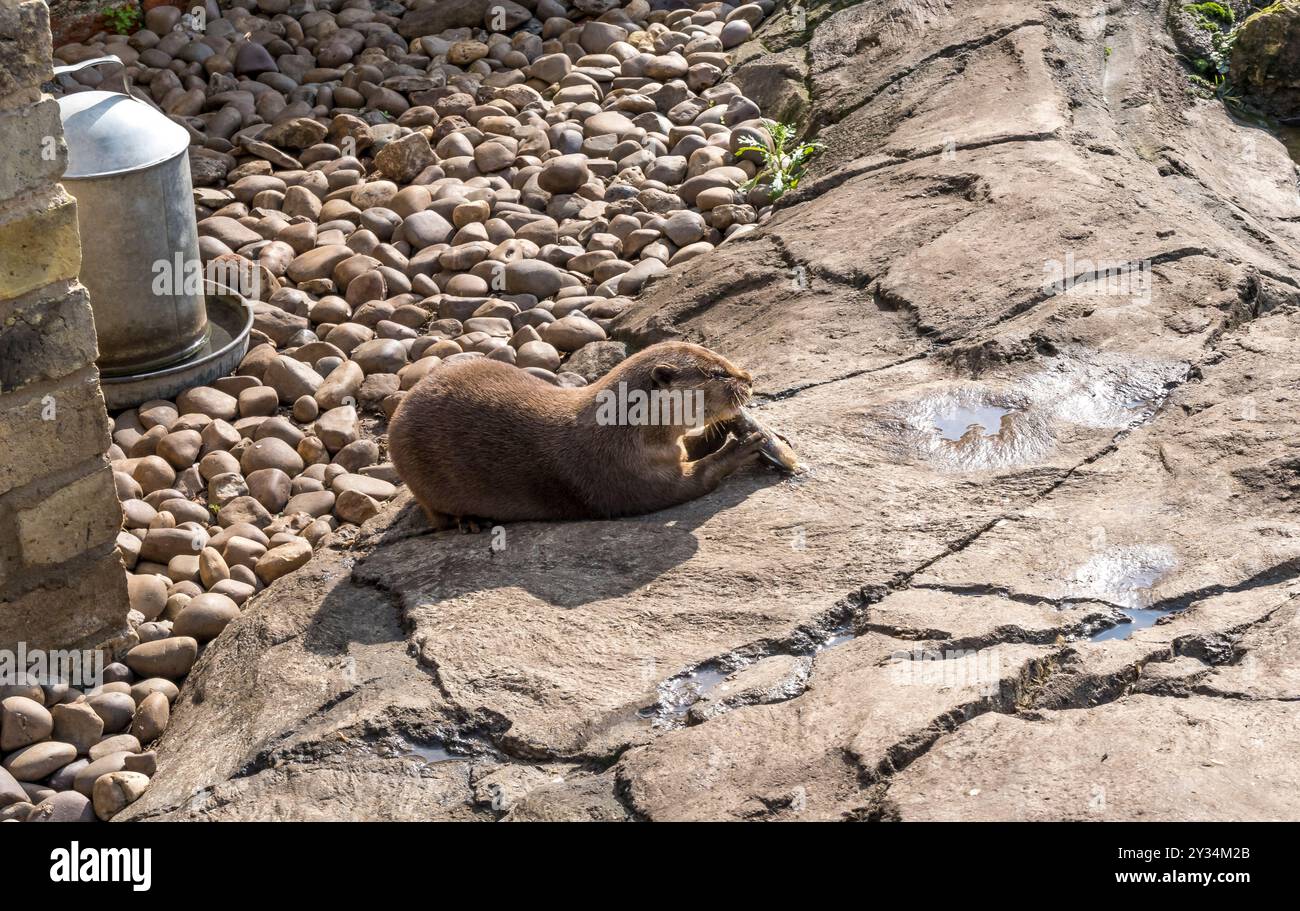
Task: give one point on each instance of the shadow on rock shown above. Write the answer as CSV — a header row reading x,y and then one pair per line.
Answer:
x,y
564,564
352,614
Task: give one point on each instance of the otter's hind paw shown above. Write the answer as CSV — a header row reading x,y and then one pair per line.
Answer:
x,y
469,525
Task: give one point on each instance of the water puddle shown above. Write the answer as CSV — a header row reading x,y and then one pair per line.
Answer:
x,y
841,633
677,694
1141,618
1105,391
985,420
1126,576
837,639
714,678
426,753
429,753
970,426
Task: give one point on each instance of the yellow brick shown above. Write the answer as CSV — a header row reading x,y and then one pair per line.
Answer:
x,y
77,606
40,247
47,433
75,518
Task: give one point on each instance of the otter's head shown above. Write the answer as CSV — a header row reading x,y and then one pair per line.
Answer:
x,y
719,385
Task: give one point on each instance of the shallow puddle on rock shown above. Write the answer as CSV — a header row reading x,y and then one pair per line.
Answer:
x,y
1142,618
955,424
839,636
1126,577
1016,421
426,752
1106,390
679,693
676,696
971,427
1140,406
836,641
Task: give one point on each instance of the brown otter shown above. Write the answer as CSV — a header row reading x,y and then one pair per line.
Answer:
x,y
483,439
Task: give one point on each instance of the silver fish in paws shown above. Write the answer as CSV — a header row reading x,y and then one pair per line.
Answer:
x,y
775,448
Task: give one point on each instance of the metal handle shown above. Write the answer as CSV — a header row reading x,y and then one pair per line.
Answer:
x,y
95,61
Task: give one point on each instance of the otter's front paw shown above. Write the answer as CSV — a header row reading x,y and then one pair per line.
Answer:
x,y
751,445
737,450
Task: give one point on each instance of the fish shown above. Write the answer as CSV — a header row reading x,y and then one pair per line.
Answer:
x,y
776,449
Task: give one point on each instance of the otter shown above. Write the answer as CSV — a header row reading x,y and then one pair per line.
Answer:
x,y
482,439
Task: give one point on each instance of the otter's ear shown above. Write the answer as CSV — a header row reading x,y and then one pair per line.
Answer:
x,y
663,374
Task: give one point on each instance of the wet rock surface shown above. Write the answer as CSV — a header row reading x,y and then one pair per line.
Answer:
x,y
1029,321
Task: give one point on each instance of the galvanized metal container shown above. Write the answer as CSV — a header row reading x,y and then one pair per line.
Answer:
x,y
128,170
230,319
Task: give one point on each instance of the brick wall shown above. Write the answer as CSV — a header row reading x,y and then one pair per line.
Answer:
x,y
61,582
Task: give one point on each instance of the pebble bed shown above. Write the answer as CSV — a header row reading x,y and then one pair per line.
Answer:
x,y
407,191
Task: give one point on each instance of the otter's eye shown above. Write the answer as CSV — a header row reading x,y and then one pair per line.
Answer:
x,y
720,374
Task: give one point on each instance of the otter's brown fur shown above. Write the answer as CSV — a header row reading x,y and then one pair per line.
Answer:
x,y
484,439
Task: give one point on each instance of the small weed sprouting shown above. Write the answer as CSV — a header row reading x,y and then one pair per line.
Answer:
x,y
1217,87
122,17
783,165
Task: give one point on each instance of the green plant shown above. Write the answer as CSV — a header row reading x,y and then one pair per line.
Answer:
x,y
1221,55
122,17
1211,16
783,163
1219,88
1221,23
